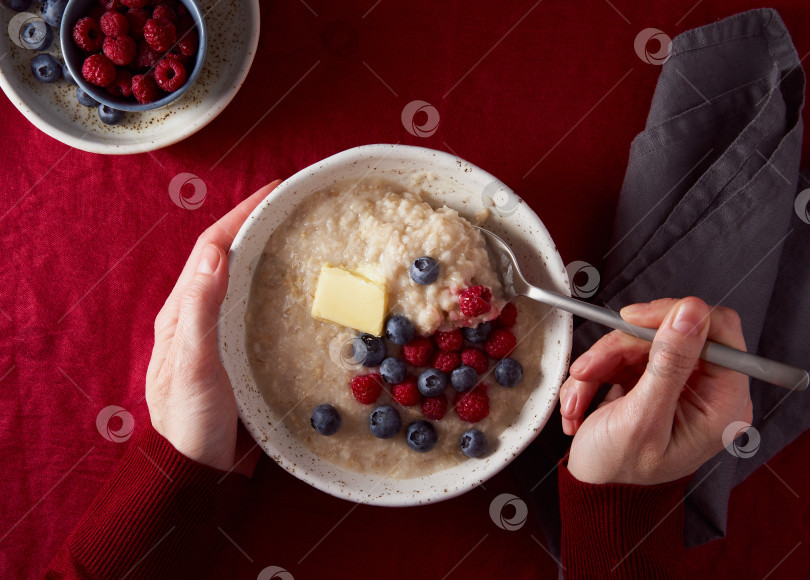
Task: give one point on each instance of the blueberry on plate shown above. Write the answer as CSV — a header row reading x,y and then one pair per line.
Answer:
x,y
473,443
85,99
110,116
384,422
325,419
45,68
399,329
36,35
393,370
17,5
368,350
424,270
53,10
508,372
478,334
68,77
432,382
421,436
463,378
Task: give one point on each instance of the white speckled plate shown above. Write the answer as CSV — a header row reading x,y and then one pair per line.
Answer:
x,y
233,34
463,187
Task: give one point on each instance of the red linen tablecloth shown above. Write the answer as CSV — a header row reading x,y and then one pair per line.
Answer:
x,y
546,96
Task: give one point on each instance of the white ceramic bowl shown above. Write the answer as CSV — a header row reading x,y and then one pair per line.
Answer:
x,y
233,36
463,187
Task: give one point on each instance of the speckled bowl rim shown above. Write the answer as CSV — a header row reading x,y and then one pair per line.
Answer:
x,y
522,227
99,94
80,141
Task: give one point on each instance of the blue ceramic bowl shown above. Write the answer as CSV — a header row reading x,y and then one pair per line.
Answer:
x,y
74,57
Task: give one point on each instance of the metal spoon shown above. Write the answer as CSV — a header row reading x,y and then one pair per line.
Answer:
x,y
514,284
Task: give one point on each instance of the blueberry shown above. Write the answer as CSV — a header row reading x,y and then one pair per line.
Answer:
x,y
85,99
17,5
110,116
421,436
508,372
399,329
325,419
36,35
463,378
384,422
45,68
68,77
432,382
478,334
368,350
424,270
52,11
473,443
393,370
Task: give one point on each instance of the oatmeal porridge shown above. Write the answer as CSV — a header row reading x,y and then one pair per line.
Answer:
x,y
374,232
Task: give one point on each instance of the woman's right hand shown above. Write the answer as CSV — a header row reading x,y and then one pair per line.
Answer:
x,y
667,410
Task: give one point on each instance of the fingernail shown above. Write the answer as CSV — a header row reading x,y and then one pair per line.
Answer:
x,y
689,318
209,260
631,310
570,404
581,363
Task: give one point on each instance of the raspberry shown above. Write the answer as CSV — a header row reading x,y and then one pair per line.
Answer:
x,y
446,361
366,388
474,301
449,341
406,393
120,50
114,24
137,18
96,12
418,351
473,406
110,5
434,407
98,70
134,3
170,74
145,57
145,89
500,343
475,358
507,317
187,44
163,11
175,54
122,87
160,34
87,34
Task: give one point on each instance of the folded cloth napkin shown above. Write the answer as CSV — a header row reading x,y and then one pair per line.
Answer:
x,y
707,209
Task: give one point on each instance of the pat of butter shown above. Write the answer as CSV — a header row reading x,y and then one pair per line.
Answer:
x,y
353,299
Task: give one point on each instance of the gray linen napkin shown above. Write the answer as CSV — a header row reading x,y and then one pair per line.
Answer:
x,y
707,209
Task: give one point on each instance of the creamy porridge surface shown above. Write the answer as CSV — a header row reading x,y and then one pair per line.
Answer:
x,y
300,362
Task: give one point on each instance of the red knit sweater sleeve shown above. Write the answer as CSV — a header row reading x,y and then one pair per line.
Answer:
x,y
156,517
618,530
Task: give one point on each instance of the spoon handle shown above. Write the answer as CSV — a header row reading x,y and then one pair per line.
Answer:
x,y
771,371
